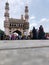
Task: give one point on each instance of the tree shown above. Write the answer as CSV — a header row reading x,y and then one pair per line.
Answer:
x,y
2,34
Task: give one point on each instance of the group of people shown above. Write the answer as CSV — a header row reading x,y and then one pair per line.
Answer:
x,y
38,34
34,35
15,37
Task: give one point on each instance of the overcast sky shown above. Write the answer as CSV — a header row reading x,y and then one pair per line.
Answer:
x,y
38,12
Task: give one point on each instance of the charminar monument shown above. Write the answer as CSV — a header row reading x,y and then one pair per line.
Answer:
x,y
12,25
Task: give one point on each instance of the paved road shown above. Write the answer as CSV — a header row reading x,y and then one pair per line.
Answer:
x,y
28,56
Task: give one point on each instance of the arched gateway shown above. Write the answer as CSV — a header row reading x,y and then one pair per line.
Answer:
x,y
17,31
11,24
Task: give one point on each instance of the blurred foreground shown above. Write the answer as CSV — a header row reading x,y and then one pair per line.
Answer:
x,y
24,53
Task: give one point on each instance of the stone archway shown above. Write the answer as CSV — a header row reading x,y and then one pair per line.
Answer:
x,y
17,31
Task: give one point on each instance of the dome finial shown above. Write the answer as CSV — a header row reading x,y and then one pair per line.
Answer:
x,y
7,2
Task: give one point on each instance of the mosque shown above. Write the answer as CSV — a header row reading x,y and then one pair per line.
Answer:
x,y
12,25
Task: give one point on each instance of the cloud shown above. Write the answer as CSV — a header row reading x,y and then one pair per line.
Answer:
x,y
16,2
2,23
45,23
16,8
11,1
29,2
33,22
43,20
33,25
32,17
20,2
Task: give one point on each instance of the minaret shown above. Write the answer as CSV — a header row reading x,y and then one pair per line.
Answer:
x,y
26,20
26,13
6,11
6,15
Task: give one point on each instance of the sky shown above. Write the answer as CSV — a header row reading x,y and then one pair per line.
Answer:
x,y
38,12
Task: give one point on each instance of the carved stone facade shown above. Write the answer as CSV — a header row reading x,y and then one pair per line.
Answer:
x,y
11,24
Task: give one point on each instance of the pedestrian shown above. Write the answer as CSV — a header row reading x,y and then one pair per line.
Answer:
x,y
41,33
34,32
